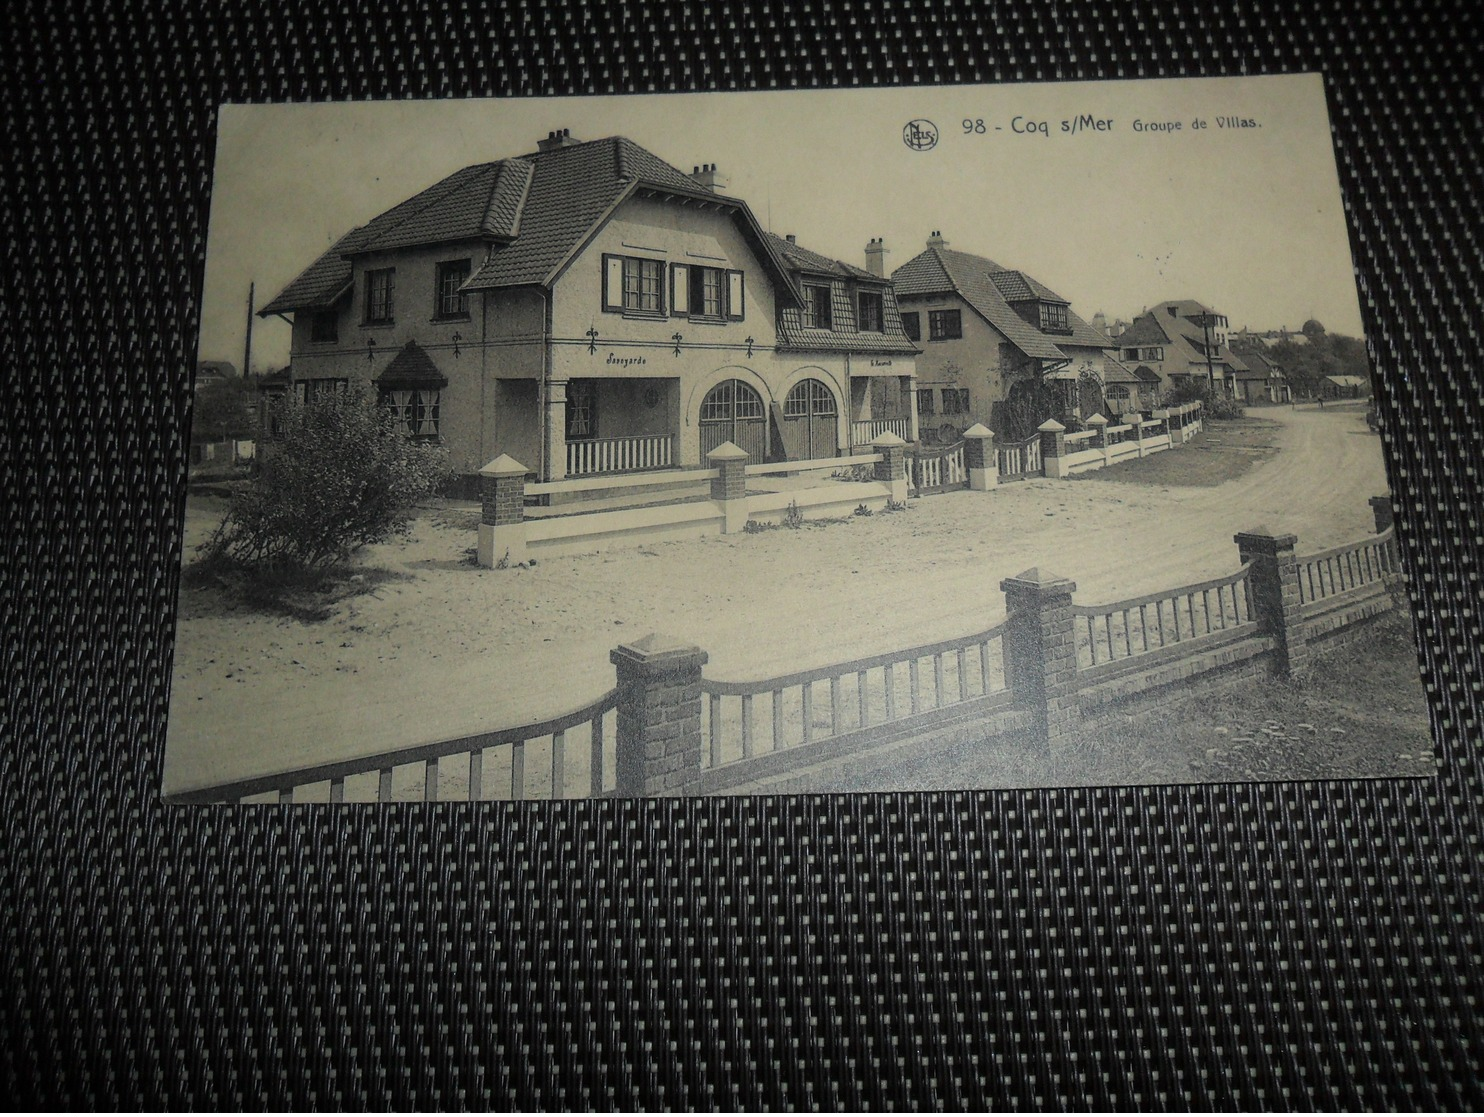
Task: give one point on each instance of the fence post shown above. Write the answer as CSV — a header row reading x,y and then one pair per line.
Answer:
x,y
1041,654
979,458
891,470
729,486
1099,424
1053,448
659,717
1384,515
1137,422
1274,581
502,528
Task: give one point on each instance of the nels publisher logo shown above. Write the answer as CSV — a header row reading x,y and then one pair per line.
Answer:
x,y
920,135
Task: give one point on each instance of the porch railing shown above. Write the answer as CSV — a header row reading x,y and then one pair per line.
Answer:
x,y
620,455
1141,625
748,719
541,760
1350,567
869,430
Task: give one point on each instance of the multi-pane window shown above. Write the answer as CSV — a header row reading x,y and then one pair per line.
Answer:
x,y
381,290
449,300
731,399
955,401
582,420
307,391
809,397
643,285
945,324
912,325
414,410
817,307
1054,318
707,292
871,315
324,325
926,402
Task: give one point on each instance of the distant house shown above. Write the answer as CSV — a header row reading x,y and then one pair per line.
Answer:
x,y
1128,389
998,347
1344,387
587,308
214,372
1262,380
1180,340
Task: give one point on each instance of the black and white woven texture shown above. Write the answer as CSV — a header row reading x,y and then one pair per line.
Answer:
x,y
1255,946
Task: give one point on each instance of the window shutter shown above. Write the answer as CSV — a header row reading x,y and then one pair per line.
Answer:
x,y
613,283
736,307
679,289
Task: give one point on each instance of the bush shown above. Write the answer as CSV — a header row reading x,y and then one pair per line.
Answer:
x,y
340,476
1215,403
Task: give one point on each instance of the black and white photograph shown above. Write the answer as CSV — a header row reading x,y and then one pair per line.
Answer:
x,y
829,441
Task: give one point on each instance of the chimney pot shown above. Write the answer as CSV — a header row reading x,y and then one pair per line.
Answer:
x,y
876,257
790,239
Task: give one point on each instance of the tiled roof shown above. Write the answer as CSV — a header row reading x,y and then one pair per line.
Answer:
x,y
536,209
1144,331
1146,374
845,336
318,285
1016,286
940,270
412,365
797,258
1116,372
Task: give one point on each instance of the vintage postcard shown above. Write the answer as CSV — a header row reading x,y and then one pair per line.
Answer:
x,y
773,443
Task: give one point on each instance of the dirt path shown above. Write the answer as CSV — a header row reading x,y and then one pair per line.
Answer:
x,y
454,649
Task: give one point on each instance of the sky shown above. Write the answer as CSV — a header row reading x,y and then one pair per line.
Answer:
x,y
1114,218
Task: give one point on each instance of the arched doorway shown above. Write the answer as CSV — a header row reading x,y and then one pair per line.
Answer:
x,y
810,422
1090,399
733,412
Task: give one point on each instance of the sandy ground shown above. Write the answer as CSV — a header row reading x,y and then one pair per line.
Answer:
x,y
445,648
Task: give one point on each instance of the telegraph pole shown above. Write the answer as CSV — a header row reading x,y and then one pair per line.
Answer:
x,y
247,346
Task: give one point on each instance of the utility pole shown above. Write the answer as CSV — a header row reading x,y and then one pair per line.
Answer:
x,y
247,345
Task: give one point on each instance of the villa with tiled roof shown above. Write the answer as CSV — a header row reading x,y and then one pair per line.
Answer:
x,y
589,308
999,347
1179,340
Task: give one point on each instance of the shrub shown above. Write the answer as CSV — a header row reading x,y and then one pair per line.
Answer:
x,y
1215,403
793,517
339,476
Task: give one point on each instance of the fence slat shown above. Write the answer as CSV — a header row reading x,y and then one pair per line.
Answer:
x,y
834,705
384,786
963,674
518,770
430,781
860,694
747,725
777,720
807,703
715,741
476,775
891,694
559,764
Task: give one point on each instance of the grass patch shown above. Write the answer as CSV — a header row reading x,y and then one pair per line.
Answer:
x,y
1224,450
1360,712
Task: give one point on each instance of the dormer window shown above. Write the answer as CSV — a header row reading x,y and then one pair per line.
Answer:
x,y
871,311
817,307
1054,318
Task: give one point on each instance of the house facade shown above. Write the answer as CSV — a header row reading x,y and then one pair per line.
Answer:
x,y
588,308
1263,380
998,347
1180,340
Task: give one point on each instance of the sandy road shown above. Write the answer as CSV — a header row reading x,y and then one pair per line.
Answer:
x,y
454,649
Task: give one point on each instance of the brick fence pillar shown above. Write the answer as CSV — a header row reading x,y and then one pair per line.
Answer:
x,y
979,458
1274,583
1053,448
1099,424
729,486
1382,511
891,470
1041,654
659,717
502,528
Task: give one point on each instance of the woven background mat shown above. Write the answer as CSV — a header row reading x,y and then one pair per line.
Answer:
x,y
1254,946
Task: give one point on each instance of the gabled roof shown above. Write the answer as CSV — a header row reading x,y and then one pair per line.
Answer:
x,y
533,213
412,365
940,270
1145,331
1157,326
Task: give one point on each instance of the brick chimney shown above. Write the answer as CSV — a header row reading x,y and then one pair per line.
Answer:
x,y
936,240
791,239
554,140
876,257
708,176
